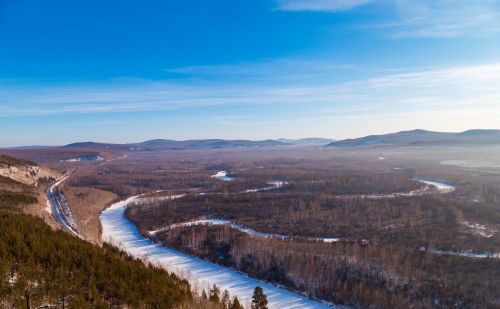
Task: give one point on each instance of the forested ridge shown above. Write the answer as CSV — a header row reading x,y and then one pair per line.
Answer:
x,y
53,268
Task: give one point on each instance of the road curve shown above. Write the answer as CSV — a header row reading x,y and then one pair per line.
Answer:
x,y
60,207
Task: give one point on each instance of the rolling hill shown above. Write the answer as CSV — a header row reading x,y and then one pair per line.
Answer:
x,y
173,144
420,138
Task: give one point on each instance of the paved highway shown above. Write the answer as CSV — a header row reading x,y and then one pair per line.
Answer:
x,y
60,207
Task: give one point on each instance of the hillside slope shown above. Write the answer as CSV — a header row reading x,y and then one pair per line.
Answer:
x,y
420,138
53,267
173,144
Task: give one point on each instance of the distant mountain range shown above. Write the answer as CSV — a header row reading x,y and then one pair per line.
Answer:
x,y
413,138
416,138
310,141
172,144
203,144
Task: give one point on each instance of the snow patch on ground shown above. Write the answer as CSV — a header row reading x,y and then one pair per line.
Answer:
x,y
222,175
152,199
118,230
479,255
480,229
85,159
48,207
443,187
275,184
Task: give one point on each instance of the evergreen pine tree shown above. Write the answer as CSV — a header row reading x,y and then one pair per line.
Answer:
x,y
259,299
214,294
204,294
225,300
236,304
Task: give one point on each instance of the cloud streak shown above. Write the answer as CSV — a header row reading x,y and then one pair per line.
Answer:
x,y
417,18
321,5
448,99
446,19
469,86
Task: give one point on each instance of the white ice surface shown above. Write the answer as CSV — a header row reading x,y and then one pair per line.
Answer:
x,y
246,230
479,255
441,186
118,230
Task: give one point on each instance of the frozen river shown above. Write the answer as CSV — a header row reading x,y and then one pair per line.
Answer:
x,y
118,230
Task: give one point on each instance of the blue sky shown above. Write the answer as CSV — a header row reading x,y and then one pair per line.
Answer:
x,y
124,71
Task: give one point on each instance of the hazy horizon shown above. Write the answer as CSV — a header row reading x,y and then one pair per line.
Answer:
x,y
97,140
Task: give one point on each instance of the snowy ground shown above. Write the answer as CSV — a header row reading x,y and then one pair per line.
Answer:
x,y
481,229
118,230
479,255
441,186
273,185
85,159
222,175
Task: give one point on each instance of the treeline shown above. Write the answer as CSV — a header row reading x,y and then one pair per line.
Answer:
x,y
320,180
411,221
9,199
348,272
53,267
12,161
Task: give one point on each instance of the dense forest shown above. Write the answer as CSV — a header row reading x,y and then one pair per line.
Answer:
x,y
348,272
12,161
53,267
385,257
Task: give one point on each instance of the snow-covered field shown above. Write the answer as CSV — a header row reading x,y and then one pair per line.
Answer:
x,y
118,230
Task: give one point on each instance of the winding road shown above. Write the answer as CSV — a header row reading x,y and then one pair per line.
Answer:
x,y
60,207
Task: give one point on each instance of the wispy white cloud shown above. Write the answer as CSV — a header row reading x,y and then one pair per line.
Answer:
x,y
445,19
417,18
290,70
448,99
321,5
467,87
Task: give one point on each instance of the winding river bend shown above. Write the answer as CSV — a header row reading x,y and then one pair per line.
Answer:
x,y
118,230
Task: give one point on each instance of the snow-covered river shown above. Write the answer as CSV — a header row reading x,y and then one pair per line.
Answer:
x,y
243,229
118,230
